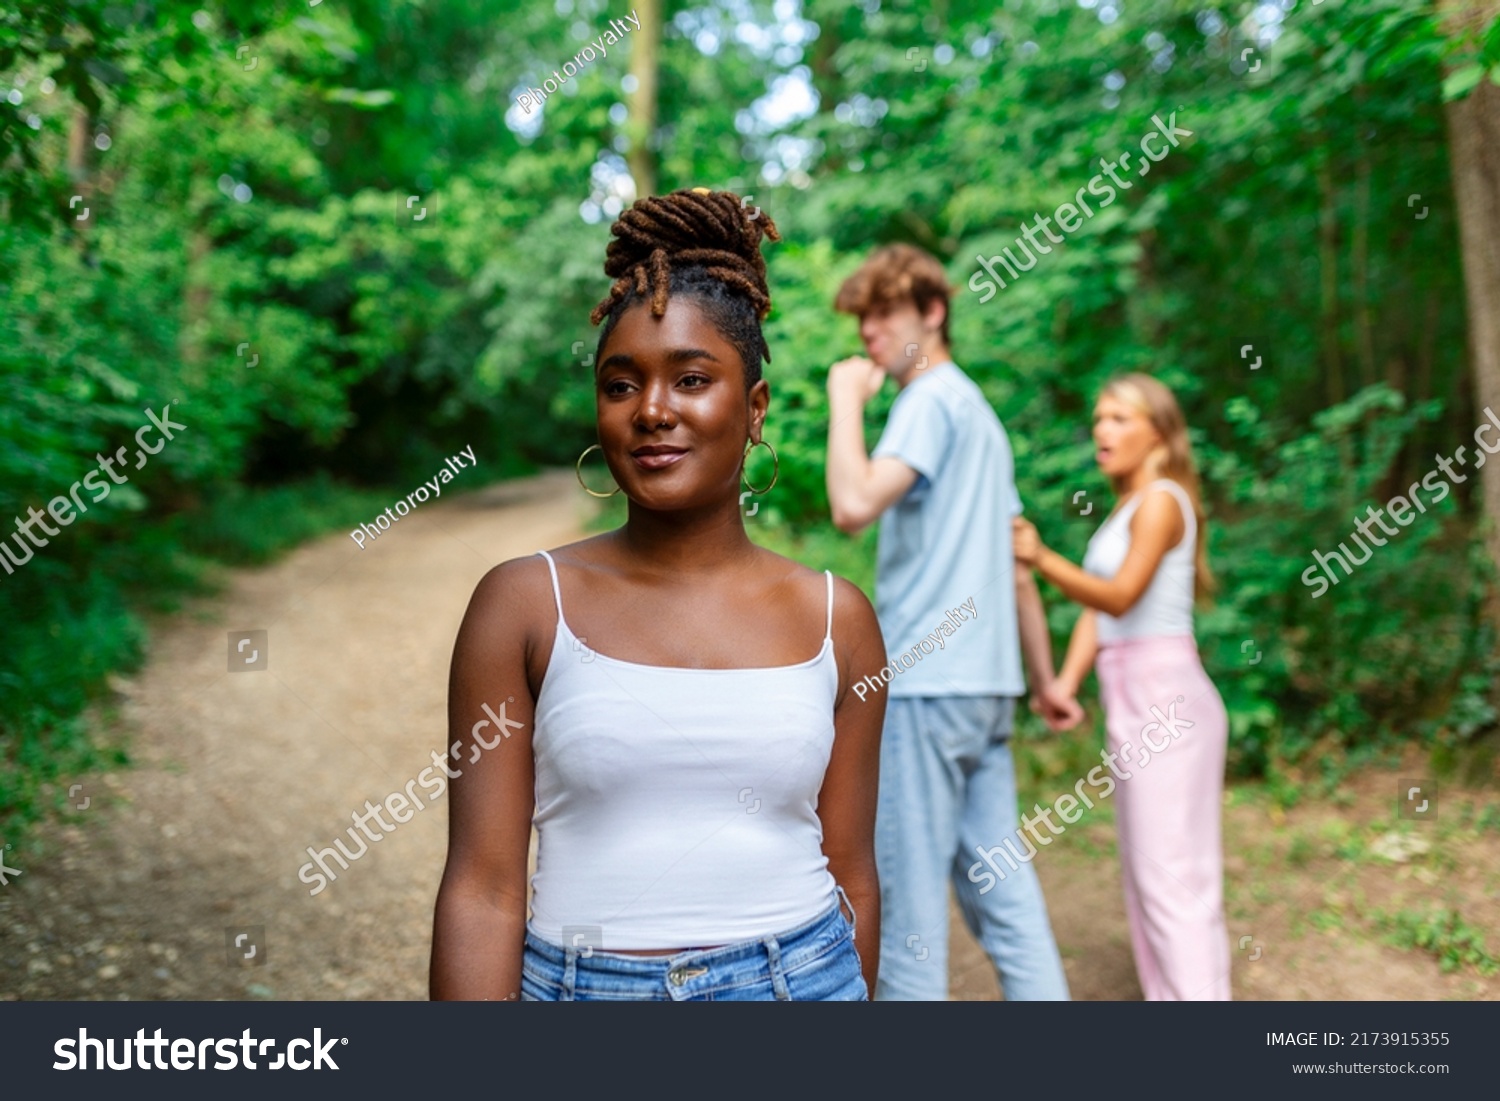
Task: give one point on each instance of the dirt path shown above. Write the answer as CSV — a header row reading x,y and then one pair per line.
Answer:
x,y
1323,901
236,774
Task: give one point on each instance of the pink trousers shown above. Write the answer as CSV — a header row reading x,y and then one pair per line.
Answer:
x,y
1168,725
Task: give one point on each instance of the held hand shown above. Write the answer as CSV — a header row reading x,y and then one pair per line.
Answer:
x,y
1058,709
1026,544
854,381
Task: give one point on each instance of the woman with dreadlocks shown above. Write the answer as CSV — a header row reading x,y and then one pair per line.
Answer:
x,y
678,719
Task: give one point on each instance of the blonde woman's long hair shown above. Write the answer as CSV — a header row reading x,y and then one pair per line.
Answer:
x,y
1160,407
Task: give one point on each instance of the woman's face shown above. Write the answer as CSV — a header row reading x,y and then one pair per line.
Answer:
x,y
673,414
1123,437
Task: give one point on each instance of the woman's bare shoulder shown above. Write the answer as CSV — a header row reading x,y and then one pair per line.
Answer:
x,y
779,569
525,581
1162,502
507,604
851,608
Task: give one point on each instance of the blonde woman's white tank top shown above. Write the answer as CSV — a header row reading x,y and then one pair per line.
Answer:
x,y
1166,607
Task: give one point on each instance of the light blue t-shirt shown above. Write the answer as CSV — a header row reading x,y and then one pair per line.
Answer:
x,y
945,575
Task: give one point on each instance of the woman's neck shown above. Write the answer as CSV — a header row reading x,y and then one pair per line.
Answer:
x,y
685,542
1138,479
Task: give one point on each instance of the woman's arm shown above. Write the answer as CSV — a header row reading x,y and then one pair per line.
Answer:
x,y
1057,709
846,803
479,923
1082,648
1156,527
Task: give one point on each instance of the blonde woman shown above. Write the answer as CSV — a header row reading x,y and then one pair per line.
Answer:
x,y
1167,729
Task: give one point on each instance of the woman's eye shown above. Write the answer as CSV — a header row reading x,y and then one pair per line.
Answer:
x,y
615,387
695,381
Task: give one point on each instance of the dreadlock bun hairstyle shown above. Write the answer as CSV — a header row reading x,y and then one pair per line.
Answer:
x,y
695,243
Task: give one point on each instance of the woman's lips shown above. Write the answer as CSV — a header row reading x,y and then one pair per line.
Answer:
x,y
657,460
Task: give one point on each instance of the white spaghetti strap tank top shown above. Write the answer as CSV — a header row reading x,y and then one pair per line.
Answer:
x,y
1166,607
677,808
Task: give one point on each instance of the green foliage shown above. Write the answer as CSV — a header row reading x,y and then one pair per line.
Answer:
x,y
1444,934
1475,55
248,527
250,173
63,632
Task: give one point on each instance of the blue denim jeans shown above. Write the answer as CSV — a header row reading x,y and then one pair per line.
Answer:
x,y
946,785
815,962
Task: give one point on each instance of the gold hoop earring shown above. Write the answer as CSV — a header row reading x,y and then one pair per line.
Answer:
x,y
775,467
579,471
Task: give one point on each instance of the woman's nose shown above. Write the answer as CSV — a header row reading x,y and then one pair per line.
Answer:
x,y
655,408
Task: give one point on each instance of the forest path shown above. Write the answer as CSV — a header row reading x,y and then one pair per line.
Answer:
x,y
236,774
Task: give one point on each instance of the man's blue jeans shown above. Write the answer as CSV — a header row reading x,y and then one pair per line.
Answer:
x,y
947,785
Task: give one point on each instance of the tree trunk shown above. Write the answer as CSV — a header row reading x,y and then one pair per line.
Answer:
x,y
1328,269
1474,150
1427,350
1359,264
197,283
645,65
197,298
828,82
80,214
80,142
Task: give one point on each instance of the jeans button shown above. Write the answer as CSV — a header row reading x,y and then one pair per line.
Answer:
x,y
675,976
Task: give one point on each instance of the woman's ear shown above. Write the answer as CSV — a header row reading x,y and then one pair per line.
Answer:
x,y
760,400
